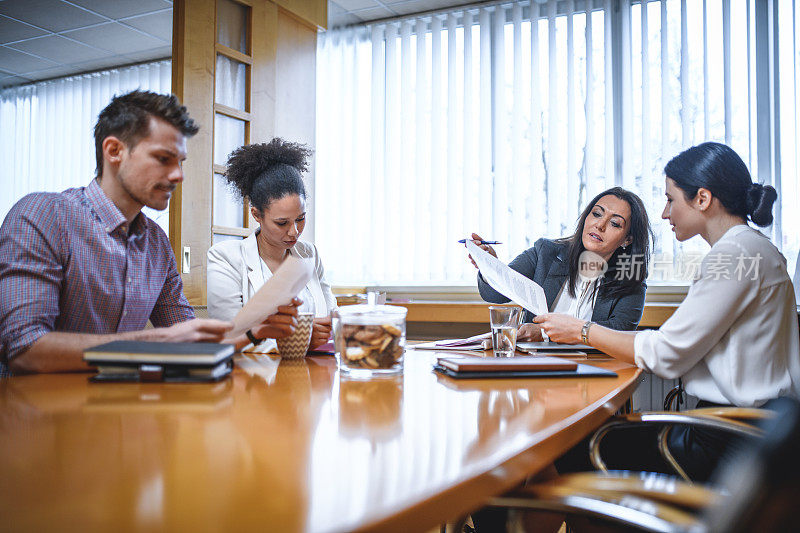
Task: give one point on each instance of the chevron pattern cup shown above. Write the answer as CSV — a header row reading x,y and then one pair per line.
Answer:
x,y
295,345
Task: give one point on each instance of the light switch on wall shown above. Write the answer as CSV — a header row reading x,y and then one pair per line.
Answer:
x,y
186,260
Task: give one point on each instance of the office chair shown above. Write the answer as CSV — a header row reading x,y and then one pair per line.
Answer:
x,y
672,402
757,490
675,397
736,421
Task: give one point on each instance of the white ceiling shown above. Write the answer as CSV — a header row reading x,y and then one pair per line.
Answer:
x,y
43,39
345,12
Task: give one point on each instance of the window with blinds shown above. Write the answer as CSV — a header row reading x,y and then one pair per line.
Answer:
x,y
232,117
46,129
506,119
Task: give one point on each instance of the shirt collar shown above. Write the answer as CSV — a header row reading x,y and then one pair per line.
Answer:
x,y
109,214
734,231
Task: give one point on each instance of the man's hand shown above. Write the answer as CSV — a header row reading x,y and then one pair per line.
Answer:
x,y
485,247
281,324
59,351
530,332
560,327
321,332
197,330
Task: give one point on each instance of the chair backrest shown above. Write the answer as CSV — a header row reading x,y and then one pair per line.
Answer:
x,y
763,480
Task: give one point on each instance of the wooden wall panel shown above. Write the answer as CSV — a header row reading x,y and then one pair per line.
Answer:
x,y
193,82
313,12
295,110
263,96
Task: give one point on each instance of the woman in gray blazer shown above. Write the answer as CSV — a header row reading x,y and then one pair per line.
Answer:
x,y
613,228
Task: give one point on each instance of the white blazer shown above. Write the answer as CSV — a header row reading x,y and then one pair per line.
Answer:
x,y
235,274
796,280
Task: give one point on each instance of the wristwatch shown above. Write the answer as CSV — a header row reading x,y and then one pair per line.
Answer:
x,y
585,331
256,341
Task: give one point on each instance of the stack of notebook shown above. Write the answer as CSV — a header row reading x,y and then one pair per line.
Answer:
x,y
160,361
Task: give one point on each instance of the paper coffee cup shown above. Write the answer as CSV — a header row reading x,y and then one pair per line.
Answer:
x,y
296,345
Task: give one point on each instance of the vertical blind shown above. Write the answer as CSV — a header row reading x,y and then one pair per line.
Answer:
x,y
46,129
507,119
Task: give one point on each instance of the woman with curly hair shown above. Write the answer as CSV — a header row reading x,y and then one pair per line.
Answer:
x,y
269,176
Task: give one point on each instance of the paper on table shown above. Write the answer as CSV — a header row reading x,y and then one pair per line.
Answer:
x,y
475,339
285,284
476,342
508,281
455,345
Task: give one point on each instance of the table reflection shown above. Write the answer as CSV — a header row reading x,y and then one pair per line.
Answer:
x,y
370,408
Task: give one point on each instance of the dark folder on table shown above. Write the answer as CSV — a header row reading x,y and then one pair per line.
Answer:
x,y
465,367
555,347
139,361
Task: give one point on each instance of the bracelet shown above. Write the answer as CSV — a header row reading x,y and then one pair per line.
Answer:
x,y
253,338
585,331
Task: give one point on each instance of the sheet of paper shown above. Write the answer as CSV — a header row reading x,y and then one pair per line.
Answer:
x,y
456,344
456,349
285,284
509,282
475,339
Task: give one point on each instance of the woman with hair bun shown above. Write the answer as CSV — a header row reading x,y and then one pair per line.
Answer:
x,y
269,176
734,339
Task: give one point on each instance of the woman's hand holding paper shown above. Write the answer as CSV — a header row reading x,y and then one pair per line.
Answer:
x,y
561,328
278,325
477,239
281,324
530,332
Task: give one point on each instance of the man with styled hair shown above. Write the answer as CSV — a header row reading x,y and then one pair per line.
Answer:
x,y
85,266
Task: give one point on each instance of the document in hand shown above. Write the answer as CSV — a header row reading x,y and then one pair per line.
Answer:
x,y
508,281
285,284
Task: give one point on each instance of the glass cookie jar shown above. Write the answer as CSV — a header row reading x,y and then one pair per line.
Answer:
x,y
370,339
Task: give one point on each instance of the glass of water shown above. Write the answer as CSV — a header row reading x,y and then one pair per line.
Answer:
x,y
505,322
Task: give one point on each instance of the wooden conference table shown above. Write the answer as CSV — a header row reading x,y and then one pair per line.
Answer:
x,y
286,447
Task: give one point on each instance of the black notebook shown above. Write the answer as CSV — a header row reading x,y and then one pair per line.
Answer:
x,y
160,361
581,371
505,364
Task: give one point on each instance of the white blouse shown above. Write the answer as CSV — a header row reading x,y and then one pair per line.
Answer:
x,y
734,339
582,304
